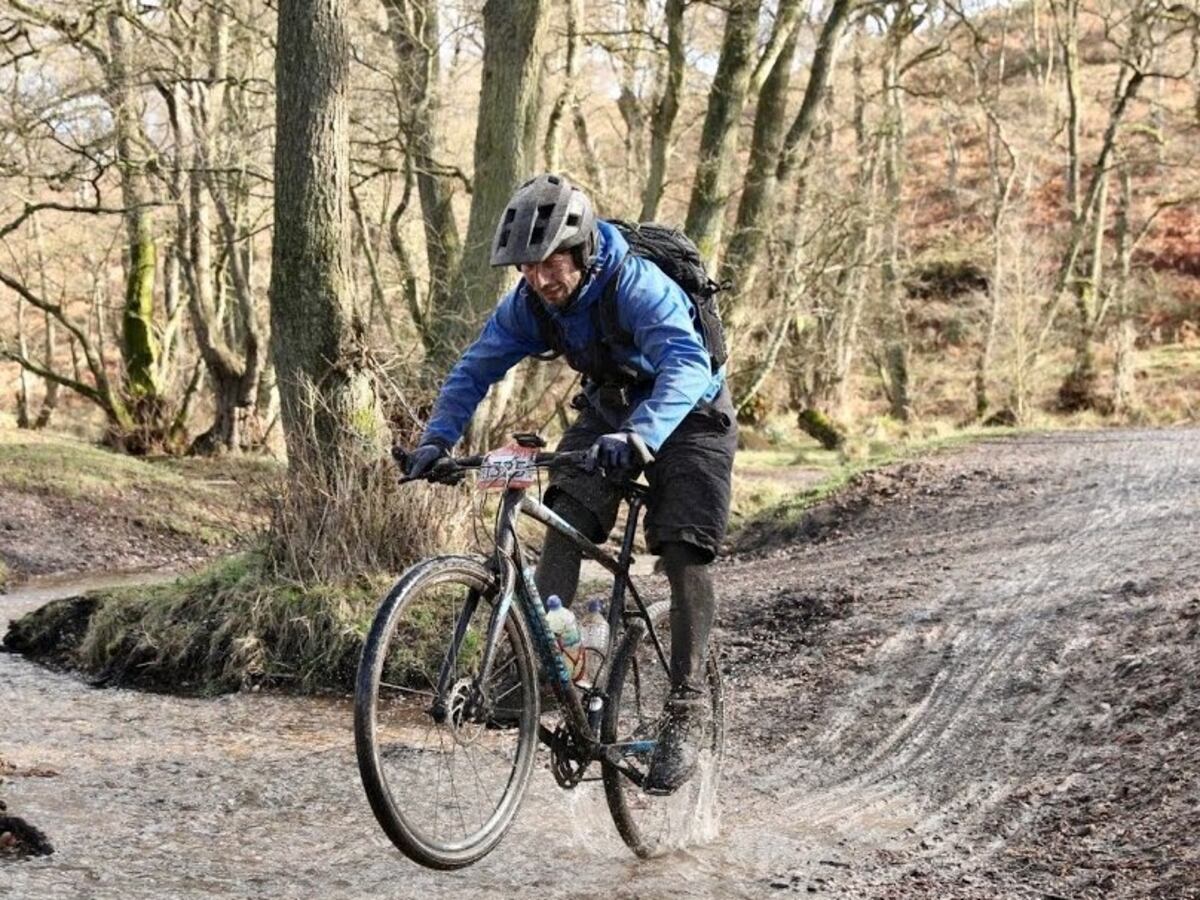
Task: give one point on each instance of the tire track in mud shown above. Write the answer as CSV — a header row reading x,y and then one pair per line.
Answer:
x,y
931,770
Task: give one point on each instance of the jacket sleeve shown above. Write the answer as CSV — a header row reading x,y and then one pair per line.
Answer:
x,y
658,314
510,335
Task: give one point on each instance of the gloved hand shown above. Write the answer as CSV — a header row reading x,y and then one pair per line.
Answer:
x,y
421,461
613,452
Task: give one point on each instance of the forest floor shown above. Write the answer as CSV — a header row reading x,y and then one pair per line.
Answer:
x,y
969,676
67,506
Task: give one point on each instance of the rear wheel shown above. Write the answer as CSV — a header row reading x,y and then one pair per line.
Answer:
x,y
444,758
638,687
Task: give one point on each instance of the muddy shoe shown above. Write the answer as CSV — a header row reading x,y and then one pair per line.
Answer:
x,y
678,749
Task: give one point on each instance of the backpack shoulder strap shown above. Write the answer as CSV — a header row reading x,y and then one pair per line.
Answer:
x,y
609,312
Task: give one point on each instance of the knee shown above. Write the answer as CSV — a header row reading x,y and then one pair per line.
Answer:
x,y
681,559
576,514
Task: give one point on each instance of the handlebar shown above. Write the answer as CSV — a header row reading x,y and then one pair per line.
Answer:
x,y
450,469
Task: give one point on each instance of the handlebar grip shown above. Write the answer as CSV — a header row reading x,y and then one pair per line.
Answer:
x,y
645,457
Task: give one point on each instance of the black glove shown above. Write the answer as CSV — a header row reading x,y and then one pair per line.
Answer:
x,y
421,461
613,452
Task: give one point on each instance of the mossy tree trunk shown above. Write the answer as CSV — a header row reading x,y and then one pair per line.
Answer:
x,y
514,33
718,140
146,413
329,407
1078,390
758,194
896,350
776,158
506,153
1124,385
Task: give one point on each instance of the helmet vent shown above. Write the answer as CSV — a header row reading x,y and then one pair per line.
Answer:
x,y
573,220
538,234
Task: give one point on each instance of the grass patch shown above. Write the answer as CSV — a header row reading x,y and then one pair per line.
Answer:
x,y
229,626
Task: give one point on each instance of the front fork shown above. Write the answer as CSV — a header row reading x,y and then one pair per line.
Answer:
x,y
445,682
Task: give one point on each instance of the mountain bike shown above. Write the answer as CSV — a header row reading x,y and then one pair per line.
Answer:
x,y
447,712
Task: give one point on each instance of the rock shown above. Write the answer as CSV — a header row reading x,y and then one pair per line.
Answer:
x,y
19,838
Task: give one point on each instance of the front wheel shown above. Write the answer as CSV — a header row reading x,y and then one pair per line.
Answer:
x,y
445,757
637,688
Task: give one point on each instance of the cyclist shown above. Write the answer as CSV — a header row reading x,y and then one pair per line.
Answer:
x,y
658,390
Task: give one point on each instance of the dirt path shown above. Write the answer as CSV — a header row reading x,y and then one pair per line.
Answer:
x,y
976,678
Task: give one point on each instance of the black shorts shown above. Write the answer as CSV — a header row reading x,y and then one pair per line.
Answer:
x,y
689,479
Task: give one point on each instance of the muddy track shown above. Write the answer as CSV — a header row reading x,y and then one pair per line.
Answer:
x,y
975,677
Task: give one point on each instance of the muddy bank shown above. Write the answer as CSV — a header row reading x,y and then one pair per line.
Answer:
x,y
980,682
44,535
67,506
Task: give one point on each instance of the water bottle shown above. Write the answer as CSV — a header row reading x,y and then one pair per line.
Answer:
x,y
594,638
562,623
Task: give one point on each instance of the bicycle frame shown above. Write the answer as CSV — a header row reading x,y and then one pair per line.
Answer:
x,y
516,585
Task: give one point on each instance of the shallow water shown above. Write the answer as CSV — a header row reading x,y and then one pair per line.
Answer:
x,y
258,795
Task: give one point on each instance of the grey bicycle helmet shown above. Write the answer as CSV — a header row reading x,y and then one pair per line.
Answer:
x,y
545,214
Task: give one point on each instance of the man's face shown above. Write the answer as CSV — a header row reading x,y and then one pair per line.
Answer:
x,y
555,278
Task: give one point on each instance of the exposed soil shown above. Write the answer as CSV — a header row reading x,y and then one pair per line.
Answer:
x,y
975,676
42,534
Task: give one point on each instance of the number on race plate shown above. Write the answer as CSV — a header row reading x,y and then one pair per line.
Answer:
x,y
510,466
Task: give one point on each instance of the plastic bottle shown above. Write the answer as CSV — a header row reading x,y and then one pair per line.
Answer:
x,y
566,630
593,632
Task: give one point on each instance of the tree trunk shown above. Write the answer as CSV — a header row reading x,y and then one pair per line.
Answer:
x,y
329,408
139,347
414,29
663,120
552,146
1069,40
753,221
1078,390
896,348
771,175
718,141
23,400
1124,393
505,152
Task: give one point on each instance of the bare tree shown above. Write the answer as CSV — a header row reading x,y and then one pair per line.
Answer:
x,y
329,404
718,141
666,108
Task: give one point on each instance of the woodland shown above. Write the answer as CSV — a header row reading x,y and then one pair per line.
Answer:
x,y
238,227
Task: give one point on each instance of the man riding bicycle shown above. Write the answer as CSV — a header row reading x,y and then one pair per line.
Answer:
x,y
656,389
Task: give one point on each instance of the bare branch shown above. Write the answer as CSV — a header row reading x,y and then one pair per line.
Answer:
x,y
31,208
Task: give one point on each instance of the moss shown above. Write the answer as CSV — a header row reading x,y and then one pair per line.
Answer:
x,y
822,429
225,627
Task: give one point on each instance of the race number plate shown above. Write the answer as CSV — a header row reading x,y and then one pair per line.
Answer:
x,y
509,467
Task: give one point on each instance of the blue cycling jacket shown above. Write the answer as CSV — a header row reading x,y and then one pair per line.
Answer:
x,y
650,306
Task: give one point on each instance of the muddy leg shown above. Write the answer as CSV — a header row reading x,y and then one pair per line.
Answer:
x,y
558,568
693,607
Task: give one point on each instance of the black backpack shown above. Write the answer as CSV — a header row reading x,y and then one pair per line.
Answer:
x,y
673,252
